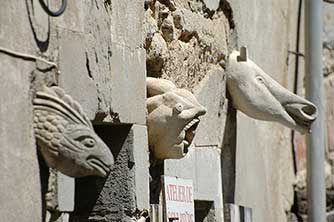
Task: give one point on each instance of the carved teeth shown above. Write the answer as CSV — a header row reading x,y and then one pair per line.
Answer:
x,y
191,123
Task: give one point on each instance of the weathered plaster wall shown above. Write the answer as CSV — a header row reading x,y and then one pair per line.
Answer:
x,y
20,198
264,164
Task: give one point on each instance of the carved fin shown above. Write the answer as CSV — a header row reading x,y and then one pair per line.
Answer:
x,y
74,104
55,99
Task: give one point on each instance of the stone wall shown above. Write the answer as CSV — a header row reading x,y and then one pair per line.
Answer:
x,y
98,48
20,196
105,49
187,43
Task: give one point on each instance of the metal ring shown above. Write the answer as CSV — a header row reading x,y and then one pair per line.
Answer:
x,y
52,13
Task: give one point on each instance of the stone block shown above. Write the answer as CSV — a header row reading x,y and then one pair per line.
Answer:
x,y
142,164
20,189
75,78
128,62
210,32
109,61
65,192
211,94
127,26
128,85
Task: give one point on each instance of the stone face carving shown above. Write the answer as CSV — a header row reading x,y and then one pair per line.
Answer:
x,y
173,116
257,95
66,138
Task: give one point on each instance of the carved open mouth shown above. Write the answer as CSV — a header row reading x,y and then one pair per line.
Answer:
x,y
302,114
190,130
102,168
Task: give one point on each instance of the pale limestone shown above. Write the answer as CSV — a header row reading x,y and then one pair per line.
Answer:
x,y
65,136
173,116
259,96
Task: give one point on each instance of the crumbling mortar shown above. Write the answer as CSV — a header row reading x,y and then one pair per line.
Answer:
x,y
199,55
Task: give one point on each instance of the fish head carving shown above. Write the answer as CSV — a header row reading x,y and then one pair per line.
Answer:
x,y
173,116
66,138
259,96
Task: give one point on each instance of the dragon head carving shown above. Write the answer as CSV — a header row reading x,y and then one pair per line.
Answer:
x,y
65,136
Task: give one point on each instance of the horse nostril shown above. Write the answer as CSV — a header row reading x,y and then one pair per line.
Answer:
x,y
309,109
302,111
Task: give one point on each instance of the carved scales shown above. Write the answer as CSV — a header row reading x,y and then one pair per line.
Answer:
x,y
65,136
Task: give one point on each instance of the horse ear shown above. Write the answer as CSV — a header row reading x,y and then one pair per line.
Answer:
x,y
243,54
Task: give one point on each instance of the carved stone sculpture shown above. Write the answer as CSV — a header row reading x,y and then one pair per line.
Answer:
x,y
257,95
65,136
173,116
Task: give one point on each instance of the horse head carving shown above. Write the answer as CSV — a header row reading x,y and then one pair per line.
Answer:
x,y
259,96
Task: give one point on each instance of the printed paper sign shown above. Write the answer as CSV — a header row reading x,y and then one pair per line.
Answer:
x,y
179,201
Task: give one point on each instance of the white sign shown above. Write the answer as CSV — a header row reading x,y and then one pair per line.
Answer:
x,y
179,201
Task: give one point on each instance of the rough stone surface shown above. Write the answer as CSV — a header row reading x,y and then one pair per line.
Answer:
x,y
211,93
74,75
183,44
190,47
108,199
126,187
128,61
105,56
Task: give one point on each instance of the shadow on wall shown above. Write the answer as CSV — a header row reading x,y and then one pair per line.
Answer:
x,y
95,195
228,154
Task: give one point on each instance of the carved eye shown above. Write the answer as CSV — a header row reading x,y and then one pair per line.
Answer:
x,y
87,141
178,107
260,79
